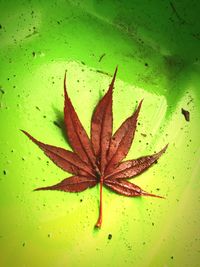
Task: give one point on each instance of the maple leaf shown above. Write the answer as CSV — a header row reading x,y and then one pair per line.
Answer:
x,y
98,159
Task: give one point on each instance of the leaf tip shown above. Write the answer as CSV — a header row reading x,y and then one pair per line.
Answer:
x,y
22,131
31,137
115,73
116,69
65,87
26,133
162,151
113,79
164,148
141,101
144,193
37,189
42,188
140,104
137,110
160,197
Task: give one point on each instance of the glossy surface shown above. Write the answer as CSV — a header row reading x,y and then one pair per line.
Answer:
x,y
157,49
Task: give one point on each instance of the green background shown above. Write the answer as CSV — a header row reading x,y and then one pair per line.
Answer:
x,y
156,45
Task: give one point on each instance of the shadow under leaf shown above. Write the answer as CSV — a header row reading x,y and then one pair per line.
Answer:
x,y
60,123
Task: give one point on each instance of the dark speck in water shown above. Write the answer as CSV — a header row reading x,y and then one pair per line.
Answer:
x,y
101,57
110,236
57,124
186,114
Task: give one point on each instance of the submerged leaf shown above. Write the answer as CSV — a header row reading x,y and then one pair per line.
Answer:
x,y
98,160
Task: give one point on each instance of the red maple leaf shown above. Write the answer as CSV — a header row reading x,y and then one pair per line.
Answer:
x,y
98,159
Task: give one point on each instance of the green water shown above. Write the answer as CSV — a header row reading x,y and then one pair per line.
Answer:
x,y
156,45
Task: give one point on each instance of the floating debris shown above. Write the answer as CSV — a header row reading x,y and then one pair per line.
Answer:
x,y
101,57
186,114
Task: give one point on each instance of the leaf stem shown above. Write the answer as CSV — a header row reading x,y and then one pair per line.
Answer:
x,y
99,221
